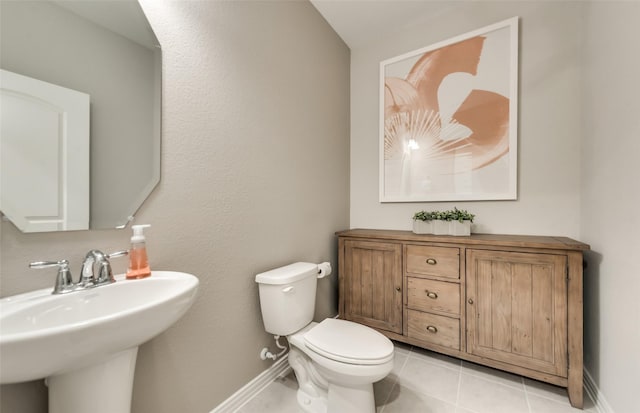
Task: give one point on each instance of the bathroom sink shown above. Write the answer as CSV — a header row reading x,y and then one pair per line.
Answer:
x,y
44,335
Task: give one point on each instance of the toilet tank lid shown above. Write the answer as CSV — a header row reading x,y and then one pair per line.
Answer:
x,y
288,274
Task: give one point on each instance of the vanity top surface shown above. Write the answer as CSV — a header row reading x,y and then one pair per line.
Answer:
x,y
523,241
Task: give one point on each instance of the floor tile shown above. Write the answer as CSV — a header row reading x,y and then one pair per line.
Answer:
x,y
426,382
435,358
402,347
279,396
383,388
463,410
547,390
399,360
488,373
556,393
407,400
484,396
543,405
431,379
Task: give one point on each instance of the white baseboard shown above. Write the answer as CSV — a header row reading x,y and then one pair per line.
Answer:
x,y
255,386
591,388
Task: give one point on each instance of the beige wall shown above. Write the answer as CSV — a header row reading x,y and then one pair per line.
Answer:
x,y
610,199
255,166
578,155
250,86
549,117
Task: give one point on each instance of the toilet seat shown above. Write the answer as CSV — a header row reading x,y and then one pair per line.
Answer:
x,y
348,342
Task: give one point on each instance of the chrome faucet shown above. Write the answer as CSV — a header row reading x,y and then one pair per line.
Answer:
x,y
88,276
88,279
64,281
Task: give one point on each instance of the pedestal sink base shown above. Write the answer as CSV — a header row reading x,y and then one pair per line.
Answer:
x,y
100,388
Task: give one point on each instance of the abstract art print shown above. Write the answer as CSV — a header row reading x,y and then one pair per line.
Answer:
x,y
448,119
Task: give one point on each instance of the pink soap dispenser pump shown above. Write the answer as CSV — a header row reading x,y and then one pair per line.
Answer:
x,y
138,260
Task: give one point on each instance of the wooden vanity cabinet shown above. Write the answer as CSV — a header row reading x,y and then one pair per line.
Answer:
x,y
373,290
517,309
506,301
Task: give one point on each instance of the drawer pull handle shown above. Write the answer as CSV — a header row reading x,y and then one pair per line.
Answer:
x,y
398,289
470,301
432,329
431,261
431,294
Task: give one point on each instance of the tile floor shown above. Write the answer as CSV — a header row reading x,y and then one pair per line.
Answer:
x,y
426,382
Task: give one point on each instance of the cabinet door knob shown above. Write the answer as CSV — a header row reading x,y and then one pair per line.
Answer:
x,y
470,301
398,289
431,294
431,261
432,329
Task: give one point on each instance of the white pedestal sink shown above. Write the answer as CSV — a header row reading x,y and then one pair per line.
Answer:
x,y
85,342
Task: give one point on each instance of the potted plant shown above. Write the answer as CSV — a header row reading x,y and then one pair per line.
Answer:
x,y
423,222
460,223
441,222
453,222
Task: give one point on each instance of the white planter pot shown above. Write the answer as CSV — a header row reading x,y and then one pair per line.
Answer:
x,y
440,227
422,227
458,228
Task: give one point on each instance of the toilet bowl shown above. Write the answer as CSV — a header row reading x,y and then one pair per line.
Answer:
x,y
347,357
335,361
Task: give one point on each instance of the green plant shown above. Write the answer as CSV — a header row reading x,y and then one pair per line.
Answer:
x,y
455,214
422,216
461,215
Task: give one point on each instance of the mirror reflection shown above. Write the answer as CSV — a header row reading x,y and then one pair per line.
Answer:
x,y
107,51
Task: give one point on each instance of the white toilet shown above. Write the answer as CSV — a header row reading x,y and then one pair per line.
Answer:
x,y
335,361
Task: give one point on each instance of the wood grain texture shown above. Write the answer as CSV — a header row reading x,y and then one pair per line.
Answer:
x,y
496,240
433,296
519,305
434,261
432,328
575,326
373,284
519,312
522,307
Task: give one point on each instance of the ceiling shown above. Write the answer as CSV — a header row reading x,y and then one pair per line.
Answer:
x,y
357,22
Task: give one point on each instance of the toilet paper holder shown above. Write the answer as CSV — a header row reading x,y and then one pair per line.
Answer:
x,y
324,269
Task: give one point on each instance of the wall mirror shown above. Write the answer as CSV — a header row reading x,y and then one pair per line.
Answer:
x,y
106,50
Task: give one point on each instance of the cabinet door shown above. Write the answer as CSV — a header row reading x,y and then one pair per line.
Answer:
x,y
517,309
373,284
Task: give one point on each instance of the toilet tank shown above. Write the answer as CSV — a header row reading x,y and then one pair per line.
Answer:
x,y
288,297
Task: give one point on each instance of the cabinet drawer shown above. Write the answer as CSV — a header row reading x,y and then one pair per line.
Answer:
x,y
434,329
435,261
431,295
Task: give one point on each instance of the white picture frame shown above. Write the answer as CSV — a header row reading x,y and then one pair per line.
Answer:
x,y
448,119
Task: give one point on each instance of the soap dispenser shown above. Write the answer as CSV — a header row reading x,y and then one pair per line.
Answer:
x,y
138,260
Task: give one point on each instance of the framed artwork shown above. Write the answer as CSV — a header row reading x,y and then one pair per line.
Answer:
x,y
448,119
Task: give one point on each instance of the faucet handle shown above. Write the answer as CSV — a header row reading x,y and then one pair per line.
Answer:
x,y
105,274
118,254
64,281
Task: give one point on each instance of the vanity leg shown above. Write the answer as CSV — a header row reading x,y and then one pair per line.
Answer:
x,y
575,325
576,394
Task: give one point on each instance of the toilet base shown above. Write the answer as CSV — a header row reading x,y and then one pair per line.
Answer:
x,y
312,387
311,404
318,395
351,399
340,399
